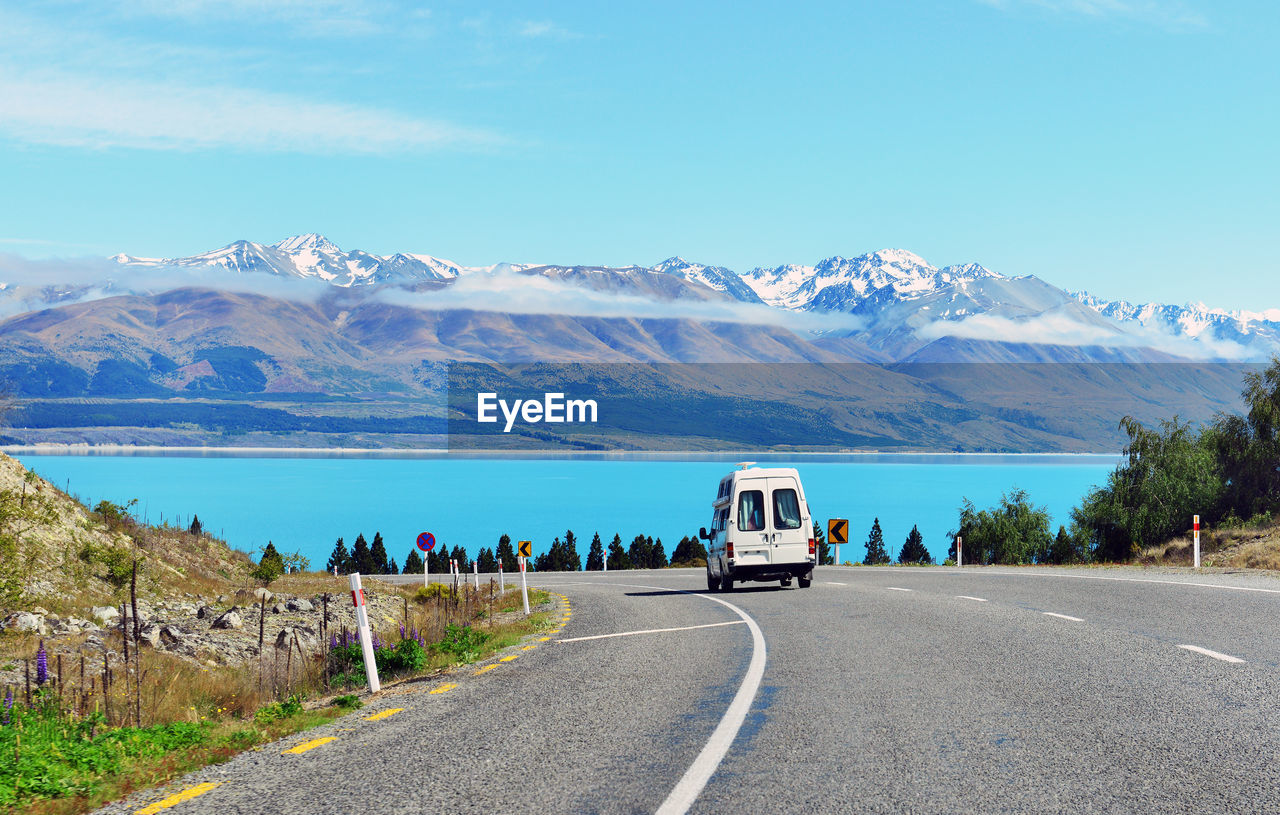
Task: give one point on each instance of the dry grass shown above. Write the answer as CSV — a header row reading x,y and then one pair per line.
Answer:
x,y
1248,546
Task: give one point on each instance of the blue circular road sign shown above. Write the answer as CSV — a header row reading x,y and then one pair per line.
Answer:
x,y
426,541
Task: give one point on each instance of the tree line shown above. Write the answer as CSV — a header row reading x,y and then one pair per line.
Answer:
x,y
1226,471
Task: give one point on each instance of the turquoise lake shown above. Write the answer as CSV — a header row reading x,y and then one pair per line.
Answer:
x,y
305,503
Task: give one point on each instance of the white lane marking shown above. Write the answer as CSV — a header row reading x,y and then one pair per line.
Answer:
x,y
651,631
967,597
834,583
1214,654
713,752
1123,580
895,588
1062,616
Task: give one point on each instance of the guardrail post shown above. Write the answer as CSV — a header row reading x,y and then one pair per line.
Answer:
x,y
366,636
1196,525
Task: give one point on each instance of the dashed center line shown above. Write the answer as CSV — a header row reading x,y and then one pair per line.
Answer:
x,y
178,798
309,745
834,583
377,717
445,688
895,588
1062,616
1224,657
652,631
968,597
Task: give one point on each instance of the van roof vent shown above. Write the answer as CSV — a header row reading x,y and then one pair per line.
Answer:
x,y
745,464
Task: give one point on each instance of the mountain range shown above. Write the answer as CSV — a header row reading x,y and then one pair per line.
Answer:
x,y
303,343
904,307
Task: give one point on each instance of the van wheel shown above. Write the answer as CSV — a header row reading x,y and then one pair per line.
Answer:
x,y
805,582
712,583
786,581
726,582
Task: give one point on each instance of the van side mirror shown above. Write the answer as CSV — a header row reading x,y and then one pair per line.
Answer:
x,y
702,533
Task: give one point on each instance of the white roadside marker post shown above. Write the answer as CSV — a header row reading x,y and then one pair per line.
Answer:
x,y
475,572
959,551
502,580
524,588
1196,525
606,560
366,636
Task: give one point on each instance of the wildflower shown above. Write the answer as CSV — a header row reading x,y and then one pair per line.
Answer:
x,y
402,631
42,665
8,706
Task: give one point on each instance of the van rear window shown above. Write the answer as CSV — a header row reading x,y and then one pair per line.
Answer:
x,y
786,509
750,511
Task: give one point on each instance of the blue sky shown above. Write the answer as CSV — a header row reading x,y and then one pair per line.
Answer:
x,y
1122,146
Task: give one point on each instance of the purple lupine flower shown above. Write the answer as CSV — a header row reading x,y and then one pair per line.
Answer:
x,y
333,641
413,633
42,665
402,631
8,706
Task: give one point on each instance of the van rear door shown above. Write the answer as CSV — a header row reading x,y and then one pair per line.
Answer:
x,y
752,535
789,532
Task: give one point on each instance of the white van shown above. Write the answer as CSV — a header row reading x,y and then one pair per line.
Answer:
x,y
761,529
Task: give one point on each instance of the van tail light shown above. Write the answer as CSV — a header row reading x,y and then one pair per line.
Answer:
x,y
813,547
729,550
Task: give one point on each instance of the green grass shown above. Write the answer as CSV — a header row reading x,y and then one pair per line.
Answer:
x,y
58,764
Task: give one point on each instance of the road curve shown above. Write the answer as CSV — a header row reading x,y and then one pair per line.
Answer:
x,y
883,690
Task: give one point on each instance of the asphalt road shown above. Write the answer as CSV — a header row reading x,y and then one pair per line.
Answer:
x,y
881,690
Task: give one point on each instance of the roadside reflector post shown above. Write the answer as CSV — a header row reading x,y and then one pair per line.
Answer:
x,y
475,571
524,588
366,636
959,551
1196,533
502,580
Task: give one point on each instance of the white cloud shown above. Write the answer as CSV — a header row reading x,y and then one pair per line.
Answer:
x,y
1061,329
545,29
534,294
80,111
1167,13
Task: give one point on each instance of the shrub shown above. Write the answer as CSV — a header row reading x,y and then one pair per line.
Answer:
x,y
462,642
276,711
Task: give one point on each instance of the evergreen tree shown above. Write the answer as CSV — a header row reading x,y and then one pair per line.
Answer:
x,y
876,553
361,558
270,566
507,554
378,555
913,550
1064,549
657,555
689,552
638,553
196,527
487,562
542,561
595,555
413,562
340,559
617,555
571,562
826,557
392,568
460,554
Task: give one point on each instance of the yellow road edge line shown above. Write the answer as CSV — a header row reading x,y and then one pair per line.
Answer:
x,y
528,648
485,669
445,688
178,798
509,657
309,745
377,717
544,639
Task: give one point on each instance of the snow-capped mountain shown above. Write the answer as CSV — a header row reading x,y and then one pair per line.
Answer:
x,y
713,277
1240,333
314,256
840,284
